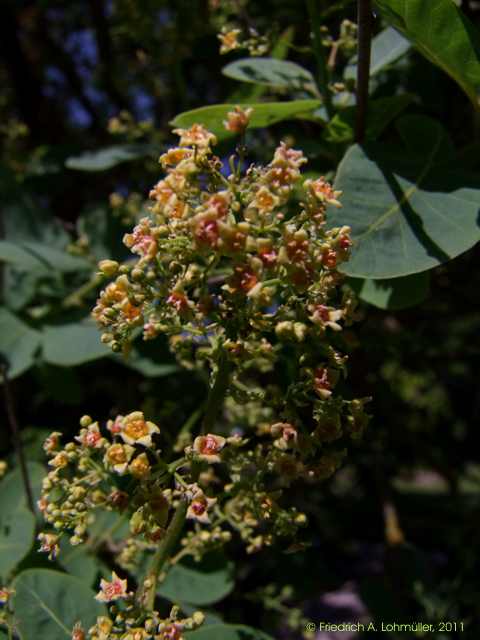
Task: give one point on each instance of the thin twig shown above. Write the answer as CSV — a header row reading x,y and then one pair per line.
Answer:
x,y
319,51
217,393
363,66
164,552
15,431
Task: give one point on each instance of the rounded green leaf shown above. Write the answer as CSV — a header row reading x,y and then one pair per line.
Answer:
x,y
109,157
22,258
201,583
17,531
271,72
228,632
73,344
78,562
48,603
18,343
443,34
395,293
12,491
408,211
264,114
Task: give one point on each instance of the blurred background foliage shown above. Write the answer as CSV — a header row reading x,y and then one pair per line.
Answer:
x,y
88,91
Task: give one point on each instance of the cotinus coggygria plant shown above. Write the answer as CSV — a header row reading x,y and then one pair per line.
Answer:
x,y
238,269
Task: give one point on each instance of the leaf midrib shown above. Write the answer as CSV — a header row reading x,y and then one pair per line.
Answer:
x,y
48,610
406,194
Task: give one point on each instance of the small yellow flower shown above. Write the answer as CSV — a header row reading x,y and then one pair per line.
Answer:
x,y
324,191
140,466
196,136
114,590
118,456
49,544
59,461
229,40
265,201
208,447
174,156
137,430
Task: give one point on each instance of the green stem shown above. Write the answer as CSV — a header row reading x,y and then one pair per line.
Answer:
x,y
217,394
164,552
319,51
75,298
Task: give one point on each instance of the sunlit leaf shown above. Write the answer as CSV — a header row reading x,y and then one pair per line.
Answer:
x,y
409,212
264,114
387,47
443,34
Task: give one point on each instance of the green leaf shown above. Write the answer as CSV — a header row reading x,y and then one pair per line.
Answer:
x,y
248,93
380,113
72,344
12,492
201,583
393,294
109,157
17,532
17,255
17,523
78,562
18,343
48,603
227,632
105,232
270,72
408,211
264,114
387,47
443,34
53,258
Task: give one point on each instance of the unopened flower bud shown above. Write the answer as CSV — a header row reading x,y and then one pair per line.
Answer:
x,y
108,267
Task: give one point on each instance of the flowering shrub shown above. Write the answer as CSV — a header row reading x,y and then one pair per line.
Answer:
x,y
236,269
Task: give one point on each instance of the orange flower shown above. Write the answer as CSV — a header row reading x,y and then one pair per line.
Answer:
x,y
137,430
118,456
237,120
229,40
324,191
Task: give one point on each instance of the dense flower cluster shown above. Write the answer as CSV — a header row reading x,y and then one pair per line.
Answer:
x,y
241,273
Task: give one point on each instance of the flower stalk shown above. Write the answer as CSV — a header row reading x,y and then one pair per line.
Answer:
x,y
164,552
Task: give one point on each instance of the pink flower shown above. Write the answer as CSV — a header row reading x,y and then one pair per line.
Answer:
x,y
90,437
114,590
199,507
208,447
